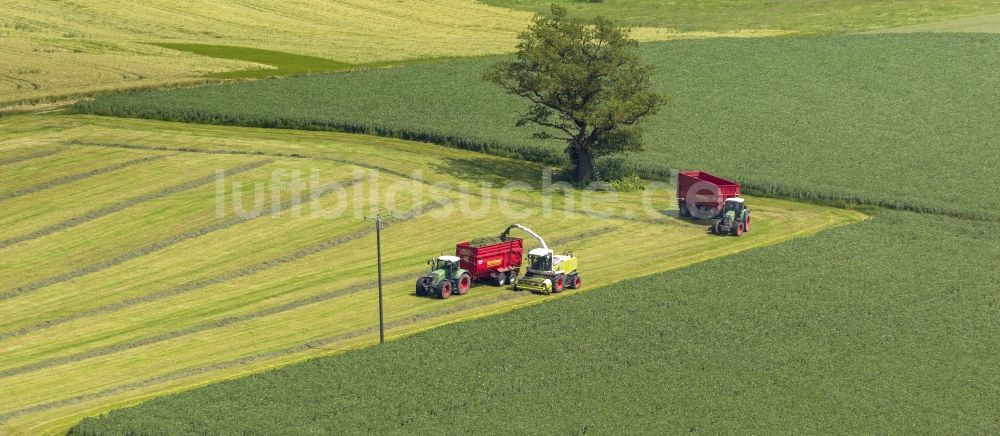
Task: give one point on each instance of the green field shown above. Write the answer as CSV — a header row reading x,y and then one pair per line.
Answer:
x,y
975,24
801,16
54,51
887,326
871,119
119,281
58,51
202,260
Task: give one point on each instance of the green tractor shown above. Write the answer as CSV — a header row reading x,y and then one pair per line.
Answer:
x,y
735,218
445,277
549,272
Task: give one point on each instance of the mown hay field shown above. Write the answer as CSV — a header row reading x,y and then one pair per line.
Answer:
x,y
53,50
121,281
901,121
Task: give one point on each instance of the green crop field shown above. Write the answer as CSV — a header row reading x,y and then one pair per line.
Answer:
x,y
121,281
887,326
880,119
801,16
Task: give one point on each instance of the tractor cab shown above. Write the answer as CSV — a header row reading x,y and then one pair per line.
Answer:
x,y
447,264
734,205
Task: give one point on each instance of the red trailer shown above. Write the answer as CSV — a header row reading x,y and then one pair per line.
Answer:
x,y
702,195
499,262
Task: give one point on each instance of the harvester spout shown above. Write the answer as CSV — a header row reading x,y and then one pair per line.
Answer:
x,y
503,236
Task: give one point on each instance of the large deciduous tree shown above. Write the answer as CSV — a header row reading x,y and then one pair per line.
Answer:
x,y
586,85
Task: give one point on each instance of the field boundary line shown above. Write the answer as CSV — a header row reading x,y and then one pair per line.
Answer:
x,y
122,205
223,277
77,177
35,155
163,244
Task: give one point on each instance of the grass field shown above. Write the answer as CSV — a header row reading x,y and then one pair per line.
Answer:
x,y
119,281
873,119
887,326
54,50
976,24
806,17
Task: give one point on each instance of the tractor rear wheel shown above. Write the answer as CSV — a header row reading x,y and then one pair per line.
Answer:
x,y
574,281
464,283
746,223
421,290
501,279
558,283
444,289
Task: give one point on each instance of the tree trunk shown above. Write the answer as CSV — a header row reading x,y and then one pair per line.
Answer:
x,y
584,163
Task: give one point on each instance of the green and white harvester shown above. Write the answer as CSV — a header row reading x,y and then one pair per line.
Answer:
x,y
547,272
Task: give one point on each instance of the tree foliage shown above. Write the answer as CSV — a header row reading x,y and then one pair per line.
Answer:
x,y
586,85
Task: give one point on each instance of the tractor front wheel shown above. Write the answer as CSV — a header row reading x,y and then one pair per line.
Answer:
x,y
738,230
464,283
717,229
746,223
444,289
558,283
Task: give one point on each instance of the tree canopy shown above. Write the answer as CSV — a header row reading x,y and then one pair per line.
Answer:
x,y
586,85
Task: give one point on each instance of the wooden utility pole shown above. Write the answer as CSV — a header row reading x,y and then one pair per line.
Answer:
x,y
378,251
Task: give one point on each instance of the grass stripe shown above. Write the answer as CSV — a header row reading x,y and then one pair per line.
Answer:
x,y
237,152
117,207
269,355
160,245
77,177
211,325
221,278
35,155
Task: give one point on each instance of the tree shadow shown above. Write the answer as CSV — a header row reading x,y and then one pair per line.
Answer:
x,y
496,172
